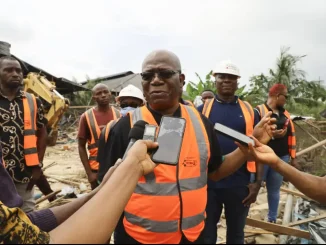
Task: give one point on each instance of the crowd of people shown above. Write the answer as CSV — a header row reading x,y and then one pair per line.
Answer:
x,y
144,202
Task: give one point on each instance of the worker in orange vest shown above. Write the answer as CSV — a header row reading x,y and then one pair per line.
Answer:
x,y
168,205
207,94
90,126
283,143
23,132
235,193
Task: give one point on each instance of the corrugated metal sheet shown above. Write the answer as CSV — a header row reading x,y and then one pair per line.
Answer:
x,y
116,84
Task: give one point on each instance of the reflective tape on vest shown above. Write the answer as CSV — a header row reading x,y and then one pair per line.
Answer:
x,y
150,187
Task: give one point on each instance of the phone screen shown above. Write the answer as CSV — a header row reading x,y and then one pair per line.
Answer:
x,y
235,135
169,138
150,132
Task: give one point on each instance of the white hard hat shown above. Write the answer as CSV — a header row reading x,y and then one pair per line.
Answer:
x,y
131,91
227,67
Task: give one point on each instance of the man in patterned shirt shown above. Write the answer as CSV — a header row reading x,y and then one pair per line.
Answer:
x,y
13,125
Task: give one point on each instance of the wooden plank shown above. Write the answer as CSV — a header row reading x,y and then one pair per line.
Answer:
x,y
279,229
47,197
295,193
257,231
305,221
321,143
315,139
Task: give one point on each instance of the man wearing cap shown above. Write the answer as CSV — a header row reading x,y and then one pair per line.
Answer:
x,y
91,124
129,99
234,193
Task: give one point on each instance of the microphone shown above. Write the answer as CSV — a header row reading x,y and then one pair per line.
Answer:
x,y
136,133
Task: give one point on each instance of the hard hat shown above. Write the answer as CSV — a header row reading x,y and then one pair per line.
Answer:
x,y
131,91
227,67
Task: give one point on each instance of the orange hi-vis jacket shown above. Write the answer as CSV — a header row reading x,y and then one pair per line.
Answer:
x,y
95,135
189,103
171,201
249,117
108,128
291,138
30,128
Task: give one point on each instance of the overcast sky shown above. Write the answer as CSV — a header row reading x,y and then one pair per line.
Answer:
x,y
102,37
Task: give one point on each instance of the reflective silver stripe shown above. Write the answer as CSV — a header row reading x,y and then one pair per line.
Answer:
x,y
293,147
136,115
92,123
29,132
165,226
192,221
30,151
293,134
189,184
30,101
150,187
92,158
200,139
151,225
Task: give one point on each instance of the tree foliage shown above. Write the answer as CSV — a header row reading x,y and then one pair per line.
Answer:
x,y
305,97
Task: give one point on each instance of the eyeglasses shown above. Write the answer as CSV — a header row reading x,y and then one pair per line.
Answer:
x,y
286,96
162,74
226,76
133,105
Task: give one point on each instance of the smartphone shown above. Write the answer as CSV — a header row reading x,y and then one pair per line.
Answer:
x,y
286,124
233,134
150,132
170,137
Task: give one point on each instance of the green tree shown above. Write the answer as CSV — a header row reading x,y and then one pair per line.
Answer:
x,y
303,94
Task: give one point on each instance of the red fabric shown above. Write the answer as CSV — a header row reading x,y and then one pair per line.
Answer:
x,y
102,119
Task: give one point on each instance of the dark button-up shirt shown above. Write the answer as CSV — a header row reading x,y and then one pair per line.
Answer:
x,y
12,135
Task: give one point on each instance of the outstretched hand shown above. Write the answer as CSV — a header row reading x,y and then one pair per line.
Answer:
x,y
260,152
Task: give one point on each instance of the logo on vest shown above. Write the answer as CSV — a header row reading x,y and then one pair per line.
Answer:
x,y
190,162
27,123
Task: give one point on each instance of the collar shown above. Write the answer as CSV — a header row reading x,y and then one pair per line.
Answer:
x,y
281,109
236,98
177,113
20,94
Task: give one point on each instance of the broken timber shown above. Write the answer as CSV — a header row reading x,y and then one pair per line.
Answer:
x,y
279,229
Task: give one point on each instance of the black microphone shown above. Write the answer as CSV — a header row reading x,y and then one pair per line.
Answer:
x,y
136,133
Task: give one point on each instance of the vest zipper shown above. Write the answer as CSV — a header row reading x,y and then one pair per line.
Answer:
x,y
181,203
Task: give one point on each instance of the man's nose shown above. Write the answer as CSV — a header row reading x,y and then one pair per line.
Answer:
x,y
156,79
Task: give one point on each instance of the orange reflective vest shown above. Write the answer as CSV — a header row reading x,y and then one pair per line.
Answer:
x,y
189,103
108,128
95,135
291,138
30,128
171,201
249,117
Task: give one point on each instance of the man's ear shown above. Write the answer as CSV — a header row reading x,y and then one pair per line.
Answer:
x,y
182,80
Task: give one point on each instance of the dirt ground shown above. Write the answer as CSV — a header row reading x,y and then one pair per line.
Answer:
x,y
66,166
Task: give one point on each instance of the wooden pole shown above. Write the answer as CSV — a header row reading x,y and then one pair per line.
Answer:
x,y
279,229
287,214
321,143
47,197
305,221
309,134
